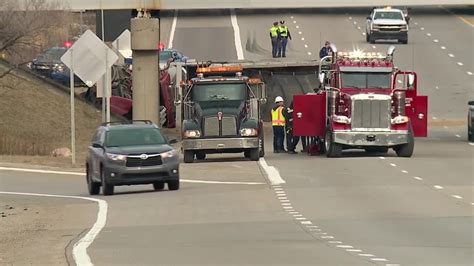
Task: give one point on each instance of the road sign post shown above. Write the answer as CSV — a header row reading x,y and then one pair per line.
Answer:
x,y
73,116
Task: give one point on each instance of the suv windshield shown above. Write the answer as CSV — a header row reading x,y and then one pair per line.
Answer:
x,y
134,136
52,55
363,80
388,15
221,91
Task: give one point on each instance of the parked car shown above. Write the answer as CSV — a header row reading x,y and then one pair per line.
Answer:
x,y
130,153
470,121
48,61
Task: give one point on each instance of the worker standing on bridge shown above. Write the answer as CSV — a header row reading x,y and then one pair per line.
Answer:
x,y
284,35
275,37
326,50
278,125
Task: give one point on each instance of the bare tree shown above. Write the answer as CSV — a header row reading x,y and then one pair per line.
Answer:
x,y
25,26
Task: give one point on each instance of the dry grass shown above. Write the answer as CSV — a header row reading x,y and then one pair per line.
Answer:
x,y
36,113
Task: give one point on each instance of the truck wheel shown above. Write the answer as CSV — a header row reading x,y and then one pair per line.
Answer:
x,y
254,154
261,143
173,185
406,150
159,185
107,189
333,149
371,39
367,37
404,41
470,134
200,155
93,187
247,154
376,149
188,156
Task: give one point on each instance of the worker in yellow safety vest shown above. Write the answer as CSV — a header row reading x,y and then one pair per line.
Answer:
x,y
274,37
284,36
278,125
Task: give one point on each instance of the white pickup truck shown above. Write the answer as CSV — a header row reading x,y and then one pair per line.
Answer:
x,y
386,24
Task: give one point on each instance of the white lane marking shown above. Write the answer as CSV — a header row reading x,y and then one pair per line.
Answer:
x,y
438,187
302,38
327,237
355,22
173,29
287,207
83,174
293,212
472,203
286,204
281,193
300,218
445,127
277,188
458,136
456,196
297,215
284,200
416,23
299,32
428,34
305,46
471,143
392,164
437,87
451,55
435,40
366,255
418,178
297,26
443,47
363,33
405,171
434,118
294,21
373,46
335,242
350,17
422,28
79,250
469,73
460,64
354,250
312,226
315,230
358,27
382,158
292,17
272,173
306,222
378,259
344,246
309,53
238,42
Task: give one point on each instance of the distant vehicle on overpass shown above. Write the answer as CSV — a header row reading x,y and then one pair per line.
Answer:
x,y
387,23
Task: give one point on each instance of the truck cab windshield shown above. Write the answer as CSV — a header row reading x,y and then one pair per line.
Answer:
x,y
219,92
388,15
366,80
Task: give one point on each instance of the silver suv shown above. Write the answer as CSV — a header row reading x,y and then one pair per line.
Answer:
x,y
387,23
130,153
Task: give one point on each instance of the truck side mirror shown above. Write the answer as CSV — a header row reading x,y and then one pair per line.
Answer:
x,y
321,77
263,93
411,80
369,18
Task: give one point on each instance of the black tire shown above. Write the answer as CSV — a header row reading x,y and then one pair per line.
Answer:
x,y
107,189
200,155
173,185
371,39
261,143
406,150
247,154
470,134
376,149
333,150
367,37
188,156
159,185
254,154
404,41
93,187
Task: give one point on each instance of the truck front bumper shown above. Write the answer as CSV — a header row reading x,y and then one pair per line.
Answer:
x,y
385,139
220,143
389,35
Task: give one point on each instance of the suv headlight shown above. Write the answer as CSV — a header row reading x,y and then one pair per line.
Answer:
x,y
168,154
248,132
341,119
192,133
400,119
116,157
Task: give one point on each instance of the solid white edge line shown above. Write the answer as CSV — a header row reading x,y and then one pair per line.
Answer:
x,y
173,29
83,174
79,250
272,173
238,42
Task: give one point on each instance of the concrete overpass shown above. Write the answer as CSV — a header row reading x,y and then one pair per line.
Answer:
x,y
246,4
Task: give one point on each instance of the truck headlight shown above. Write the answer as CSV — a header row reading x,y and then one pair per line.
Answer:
x,y
375,27
404,28
341,119
116,157
192,133
248,132
400,119
168,154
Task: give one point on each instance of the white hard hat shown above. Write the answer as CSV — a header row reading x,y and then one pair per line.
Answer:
x,y
278,99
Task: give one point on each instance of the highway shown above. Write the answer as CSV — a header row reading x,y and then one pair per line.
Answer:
x,y
357,210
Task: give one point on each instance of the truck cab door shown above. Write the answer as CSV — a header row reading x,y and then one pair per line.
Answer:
x,y
416,106
309,115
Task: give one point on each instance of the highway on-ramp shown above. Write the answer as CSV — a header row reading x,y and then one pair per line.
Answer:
x,y
357,210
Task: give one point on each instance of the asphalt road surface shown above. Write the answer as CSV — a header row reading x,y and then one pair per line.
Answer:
x,y
357,210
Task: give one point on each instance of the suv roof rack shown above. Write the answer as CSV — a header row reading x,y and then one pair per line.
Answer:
x,y
128,122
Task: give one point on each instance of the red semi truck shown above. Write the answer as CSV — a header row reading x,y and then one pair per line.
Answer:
x,y
364,102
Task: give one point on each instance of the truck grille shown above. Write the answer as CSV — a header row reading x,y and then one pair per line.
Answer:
x,y
214,128
395,28
370,113
136,161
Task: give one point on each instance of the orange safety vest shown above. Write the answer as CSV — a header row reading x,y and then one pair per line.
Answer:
x,y
277,117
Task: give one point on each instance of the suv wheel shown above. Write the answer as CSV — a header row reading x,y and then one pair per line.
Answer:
x,y
188,156
93,187
173,185
159,185
107,189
